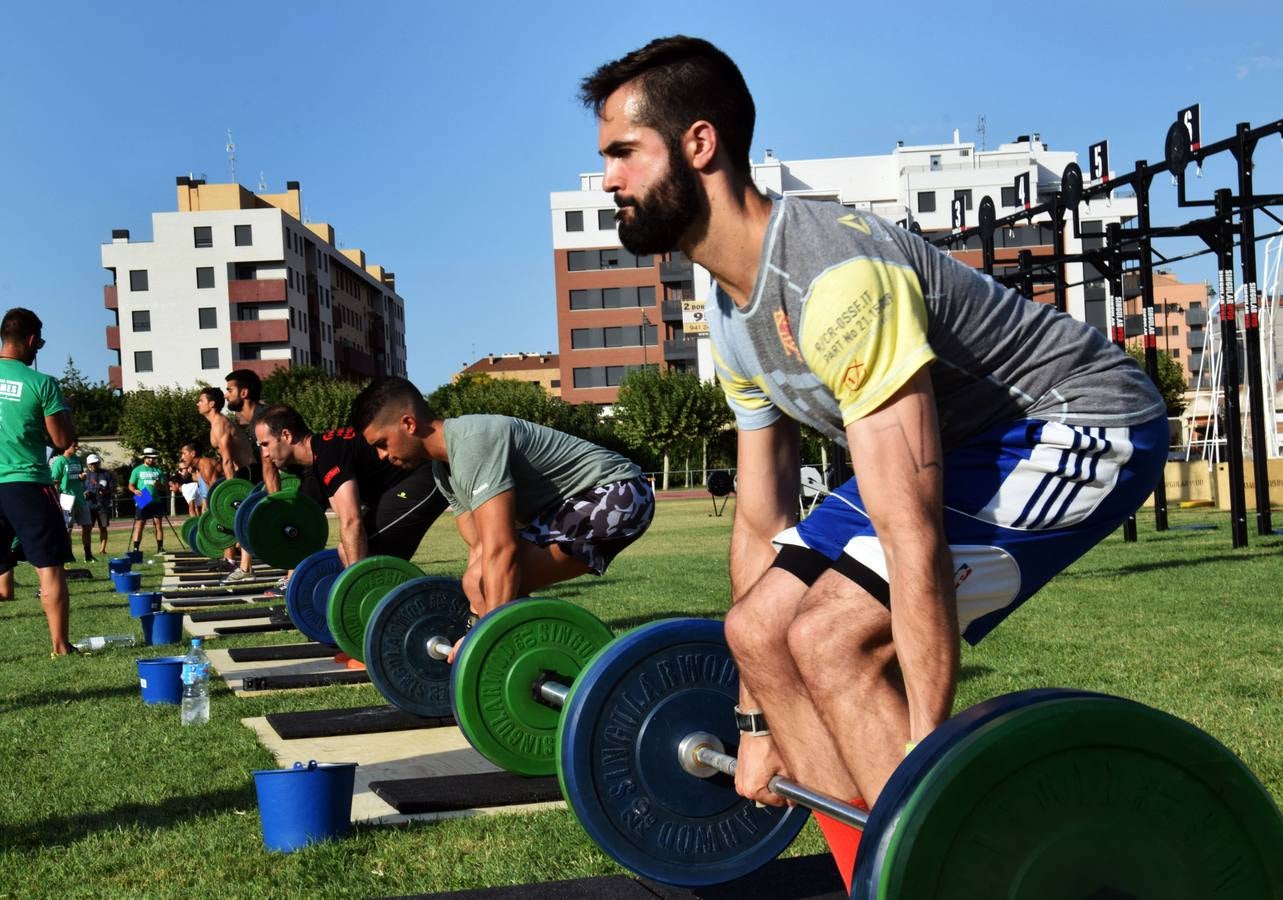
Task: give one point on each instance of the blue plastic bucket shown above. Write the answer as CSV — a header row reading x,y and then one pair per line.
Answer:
x,y
143,602
161,627
119,564
305,804
127,582
160,678
135,556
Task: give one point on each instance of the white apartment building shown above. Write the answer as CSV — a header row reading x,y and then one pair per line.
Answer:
x,y
912,184
236,280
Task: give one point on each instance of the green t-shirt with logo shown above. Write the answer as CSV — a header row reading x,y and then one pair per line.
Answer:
x,y
66,475
26,397
147,478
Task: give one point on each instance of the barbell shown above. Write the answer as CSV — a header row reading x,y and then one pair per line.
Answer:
x,y
281,529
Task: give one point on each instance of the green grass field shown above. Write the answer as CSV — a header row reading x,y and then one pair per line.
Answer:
x,y
102,795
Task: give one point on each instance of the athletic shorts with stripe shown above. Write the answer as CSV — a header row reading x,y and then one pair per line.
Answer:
x,y
594,525
1022,501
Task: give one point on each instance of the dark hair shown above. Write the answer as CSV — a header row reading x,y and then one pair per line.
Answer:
x,y
382,393
278,417
19,324
215,396
682,80
248,380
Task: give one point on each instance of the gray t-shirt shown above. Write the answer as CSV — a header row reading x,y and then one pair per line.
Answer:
x,y
847,307
542,466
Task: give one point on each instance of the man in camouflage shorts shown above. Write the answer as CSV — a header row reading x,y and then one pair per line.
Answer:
x,y
534,505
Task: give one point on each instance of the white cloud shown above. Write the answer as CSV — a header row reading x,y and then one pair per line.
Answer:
x,y
1257,64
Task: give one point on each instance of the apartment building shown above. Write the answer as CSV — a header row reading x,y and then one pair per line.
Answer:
x,y
543,369
616,311
237,280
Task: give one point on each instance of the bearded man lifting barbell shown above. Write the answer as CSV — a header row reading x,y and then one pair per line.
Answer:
x,y
993,439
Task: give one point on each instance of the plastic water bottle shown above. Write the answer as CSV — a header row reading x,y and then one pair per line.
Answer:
x,y
102,641
195,675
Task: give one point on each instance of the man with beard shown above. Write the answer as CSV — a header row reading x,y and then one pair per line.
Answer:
x,y
535,506
244,392
993,439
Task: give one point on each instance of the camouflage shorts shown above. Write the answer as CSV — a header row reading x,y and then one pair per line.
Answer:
x,y
594,525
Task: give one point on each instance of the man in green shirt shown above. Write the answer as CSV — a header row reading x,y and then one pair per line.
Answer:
x,y
68,473
534,505
147,484
33,415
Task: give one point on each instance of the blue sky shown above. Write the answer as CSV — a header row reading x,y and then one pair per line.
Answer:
x,y
431,134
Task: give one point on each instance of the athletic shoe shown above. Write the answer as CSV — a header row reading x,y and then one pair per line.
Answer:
x,y
237,574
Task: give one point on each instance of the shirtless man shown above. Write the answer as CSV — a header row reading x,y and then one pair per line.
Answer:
x,y
237,458
206,472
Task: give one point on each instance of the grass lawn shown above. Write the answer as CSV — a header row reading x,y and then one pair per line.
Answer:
x,y
103,795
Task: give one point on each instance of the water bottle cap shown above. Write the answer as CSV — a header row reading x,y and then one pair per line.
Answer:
x,y
197,642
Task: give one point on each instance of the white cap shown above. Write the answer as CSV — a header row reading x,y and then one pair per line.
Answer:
x,y
148,451
93,458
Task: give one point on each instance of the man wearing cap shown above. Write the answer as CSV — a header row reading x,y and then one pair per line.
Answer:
x,y
100,487
146,483
32,414
68,474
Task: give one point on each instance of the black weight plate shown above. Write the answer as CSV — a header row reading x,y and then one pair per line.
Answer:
x,y
396,643
617,759
1177,148
310,577
1071,186
719,483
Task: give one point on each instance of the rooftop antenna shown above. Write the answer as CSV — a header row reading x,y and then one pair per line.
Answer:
x,y
982,127
231,156
262,182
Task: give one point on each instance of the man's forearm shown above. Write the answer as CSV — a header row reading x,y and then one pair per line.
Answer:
x,y
352,539
501,576
271,475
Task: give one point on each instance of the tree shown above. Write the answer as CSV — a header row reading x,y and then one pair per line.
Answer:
x,y
659,410
164,419
95,408
478,393
1171,378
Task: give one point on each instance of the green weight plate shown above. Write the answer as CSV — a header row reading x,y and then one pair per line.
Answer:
x,y
358,589
225,498
290,483
496,667
202,546
396,643
215,534
1084,796
188,531
285,529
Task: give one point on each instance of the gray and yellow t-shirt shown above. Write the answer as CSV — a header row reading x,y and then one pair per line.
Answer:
x,y
847,307
542,466
26,398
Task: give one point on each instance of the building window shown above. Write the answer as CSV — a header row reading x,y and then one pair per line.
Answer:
x,y
292,323
142,320
588,377
138,279
926,201
244,235
203,236
207,316
142,360
965,194
646,295
574,220
615,375
209,358
205,277
1009,196
1176,353
605,220
935,162
247,313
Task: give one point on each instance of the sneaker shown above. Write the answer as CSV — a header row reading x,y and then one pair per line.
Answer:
x,y
276,590
237,574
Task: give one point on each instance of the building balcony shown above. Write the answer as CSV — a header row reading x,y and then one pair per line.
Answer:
x,y
113,377
253,290
1196,316
671,310
113,337
676,270
261,331
261,367
681,348
109,296
1195,340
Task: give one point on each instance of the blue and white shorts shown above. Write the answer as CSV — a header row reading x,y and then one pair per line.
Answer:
x,y
1022,501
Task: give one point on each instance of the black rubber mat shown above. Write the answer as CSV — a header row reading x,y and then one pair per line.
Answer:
x,y
256,628
282,651
253,612
199,602
357,720
410,796
797,878
316,679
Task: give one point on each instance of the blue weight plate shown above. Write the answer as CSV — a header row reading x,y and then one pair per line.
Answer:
x,y
300,594
617,759
396,643
240,525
